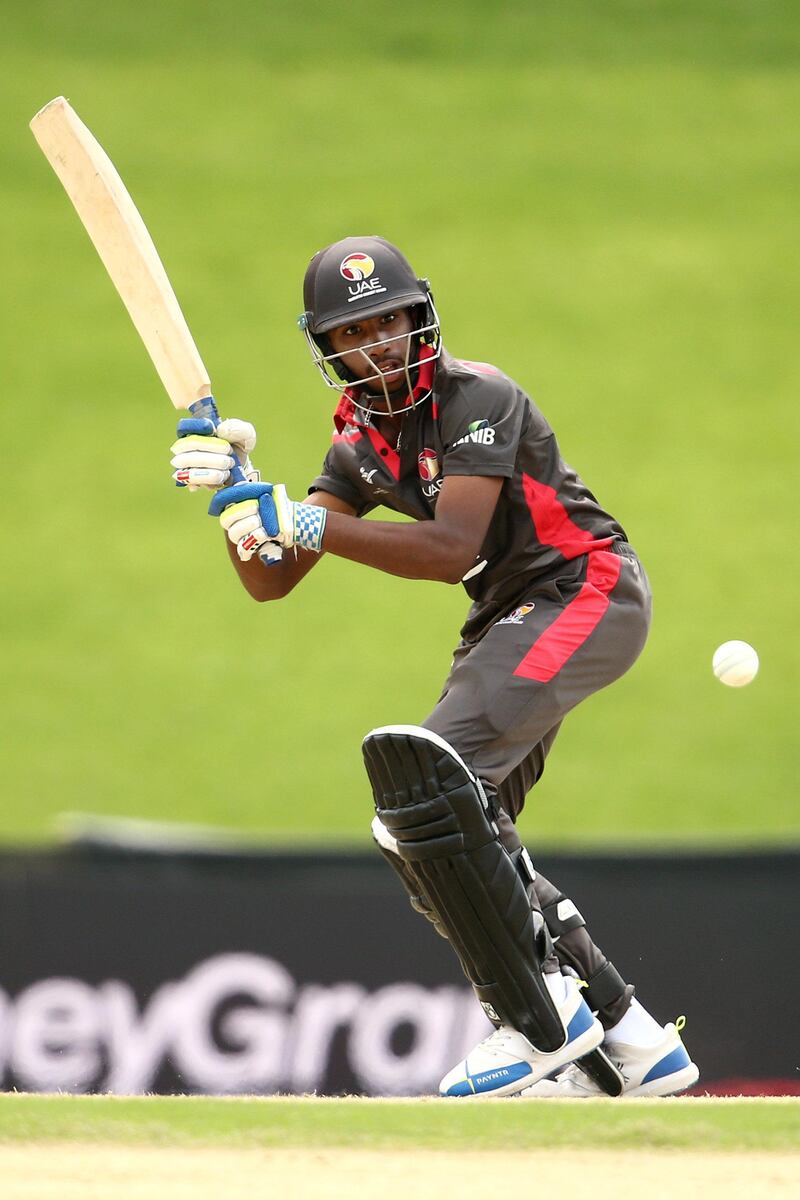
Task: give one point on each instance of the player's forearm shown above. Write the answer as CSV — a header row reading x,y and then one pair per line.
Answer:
x,y
424,550
271,582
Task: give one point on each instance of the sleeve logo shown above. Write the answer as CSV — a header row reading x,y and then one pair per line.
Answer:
x,y
478,431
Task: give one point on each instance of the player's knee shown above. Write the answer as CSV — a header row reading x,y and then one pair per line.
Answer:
x,y
426,796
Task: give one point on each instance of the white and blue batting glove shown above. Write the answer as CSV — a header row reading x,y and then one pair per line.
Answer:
x,y
204,455
256,516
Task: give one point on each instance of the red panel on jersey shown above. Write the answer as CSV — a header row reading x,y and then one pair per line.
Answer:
x,y
384,451
345,412
575,623
553,524
480,368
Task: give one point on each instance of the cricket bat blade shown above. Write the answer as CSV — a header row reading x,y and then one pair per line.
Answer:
x,y
126,249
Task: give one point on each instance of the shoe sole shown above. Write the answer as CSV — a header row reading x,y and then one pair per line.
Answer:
x,y
670,1085
678,1081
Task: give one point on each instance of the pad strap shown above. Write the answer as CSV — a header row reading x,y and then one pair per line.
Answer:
x,y
562,917
599,1067
604,987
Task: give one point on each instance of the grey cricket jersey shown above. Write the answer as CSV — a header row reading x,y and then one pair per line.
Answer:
x,y
478,421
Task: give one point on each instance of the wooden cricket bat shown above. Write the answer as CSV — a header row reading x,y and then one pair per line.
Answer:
x,y
121,239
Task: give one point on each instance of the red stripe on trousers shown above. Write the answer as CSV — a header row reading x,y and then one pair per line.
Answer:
x,y
575,623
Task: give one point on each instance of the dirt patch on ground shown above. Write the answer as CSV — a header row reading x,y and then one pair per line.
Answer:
x,y
56,1172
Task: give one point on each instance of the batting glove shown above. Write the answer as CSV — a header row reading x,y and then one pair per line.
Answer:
x,y
253,515
204,455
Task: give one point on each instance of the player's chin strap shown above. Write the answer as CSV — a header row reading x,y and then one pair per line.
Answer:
x,y
353,408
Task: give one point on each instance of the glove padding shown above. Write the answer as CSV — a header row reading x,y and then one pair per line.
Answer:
x,y
255,516
204,455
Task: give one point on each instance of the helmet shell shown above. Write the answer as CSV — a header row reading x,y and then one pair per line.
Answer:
x,y
356,278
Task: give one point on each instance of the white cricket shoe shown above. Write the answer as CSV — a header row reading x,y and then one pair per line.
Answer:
x,y
660,1070
505,1062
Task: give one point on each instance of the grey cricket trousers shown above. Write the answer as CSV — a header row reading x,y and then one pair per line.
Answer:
x,y
517,672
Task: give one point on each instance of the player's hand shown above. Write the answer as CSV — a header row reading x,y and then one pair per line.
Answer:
x,y
203,456
256,515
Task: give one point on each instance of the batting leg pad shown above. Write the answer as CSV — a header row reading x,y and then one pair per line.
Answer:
x,y
436,810
388,848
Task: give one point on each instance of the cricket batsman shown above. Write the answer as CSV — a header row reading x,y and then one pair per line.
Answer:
x,y
560,607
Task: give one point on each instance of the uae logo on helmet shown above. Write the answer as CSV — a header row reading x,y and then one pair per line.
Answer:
x,y
357,267
428,465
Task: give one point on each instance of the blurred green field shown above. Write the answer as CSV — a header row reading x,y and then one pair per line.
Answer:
x,y
605,200
433,1124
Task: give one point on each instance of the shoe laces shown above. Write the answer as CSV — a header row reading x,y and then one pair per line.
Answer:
x,y
571,1073
498,1039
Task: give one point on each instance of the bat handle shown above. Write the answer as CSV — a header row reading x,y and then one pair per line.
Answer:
x,y
207,407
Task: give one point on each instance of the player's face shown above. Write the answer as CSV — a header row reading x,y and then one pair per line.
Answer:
x,y
376,346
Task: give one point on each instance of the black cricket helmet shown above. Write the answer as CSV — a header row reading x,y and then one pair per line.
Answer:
x,y
355,279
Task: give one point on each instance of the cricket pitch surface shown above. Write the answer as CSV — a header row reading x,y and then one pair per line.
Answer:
x,y
177,1148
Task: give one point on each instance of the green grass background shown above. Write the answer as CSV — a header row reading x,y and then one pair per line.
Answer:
x,y
699,1124
605,198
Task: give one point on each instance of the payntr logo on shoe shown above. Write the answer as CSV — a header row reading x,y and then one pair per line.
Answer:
x,y
488,1076
358,270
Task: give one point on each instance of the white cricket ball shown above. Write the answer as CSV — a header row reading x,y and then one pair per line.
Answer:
x,y
735,663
